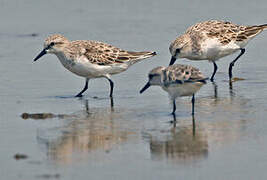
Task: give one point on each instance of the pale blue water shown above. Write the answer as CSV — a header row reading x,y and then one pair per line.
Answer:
x,y
89,139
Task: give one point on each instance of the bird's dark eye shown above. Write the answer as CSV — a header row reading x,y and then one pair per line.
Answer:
x,y
177,51
52,44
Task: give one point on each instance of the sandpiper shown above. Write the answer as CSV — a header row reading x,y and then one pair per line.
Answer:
x,y
178,80
212,40
91,59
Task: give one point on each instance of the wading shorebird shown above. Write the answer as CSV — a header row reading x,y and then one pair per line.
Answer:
x,y
212,40
91,59
178,80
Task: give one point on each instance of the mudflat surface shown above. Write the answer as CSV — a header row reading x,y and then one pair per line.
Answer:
x,y
46,133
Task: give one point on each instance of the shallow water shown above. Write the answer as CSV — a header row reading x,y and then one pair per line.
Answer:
x,y
70,138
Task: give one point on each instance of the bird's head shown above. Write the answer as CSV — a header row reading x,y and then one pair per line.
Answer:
x,y
53,44
179,48
154,78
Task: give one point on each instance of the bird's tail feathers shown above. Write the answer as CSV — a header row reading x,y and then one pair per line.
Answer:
x,y
251,31
134,57
263,26
142,55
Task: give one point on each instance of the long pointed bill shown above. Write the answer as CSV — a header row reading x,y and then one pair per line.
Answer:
x,y
43,52
145,87
173,59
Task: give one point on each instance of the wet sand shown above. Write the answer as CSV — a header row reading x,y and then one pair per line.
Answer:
x,y
46,133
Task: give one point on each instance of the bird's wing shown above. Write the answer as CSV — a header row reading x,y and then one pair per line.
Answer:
x,y
224,31
183,74
104,54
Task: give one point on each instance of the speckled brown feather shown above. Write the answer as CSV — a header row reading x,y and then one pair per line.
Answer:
x,y
224,31
104,54
96,52
182,73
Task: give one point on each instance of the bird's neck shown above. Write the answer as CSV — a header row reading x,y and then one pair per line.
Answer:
x,y
62,56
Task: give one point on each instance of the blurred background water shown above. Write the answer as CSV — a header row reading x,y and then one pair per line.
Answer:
x,y
87,138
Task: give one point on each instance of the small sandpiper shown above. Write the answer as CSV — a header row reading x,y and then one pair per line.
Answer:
x,y
212,40
91,59
178,80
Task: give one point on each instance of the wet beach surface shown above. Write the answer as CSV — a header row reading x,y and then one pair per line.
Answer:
x,y
46,133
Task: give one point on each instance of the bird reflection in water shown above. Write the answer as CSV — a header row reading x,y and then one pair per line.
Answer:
x,y
174,121
215,88
87,104
179,144
84,132
232,93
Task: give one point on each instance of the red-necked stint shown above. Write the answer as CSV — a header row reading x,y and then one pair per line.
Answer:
x,y
91,59
212,40
178,80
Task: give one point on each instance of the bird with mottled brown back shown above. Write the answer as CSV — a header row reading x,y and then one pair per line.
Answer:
x,y
212,40
91,59
178,80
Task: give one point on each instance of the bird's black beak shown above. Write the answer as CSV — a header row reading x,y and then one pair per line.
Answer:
x,y
173,59
43,52
145,87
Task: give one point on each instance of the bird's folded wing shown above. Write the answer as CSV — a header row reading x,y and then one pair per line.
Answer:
x,y
188,81
105,54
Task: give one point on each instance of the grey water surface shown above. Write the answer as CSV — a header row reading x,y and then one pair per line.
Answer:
x,y
57,136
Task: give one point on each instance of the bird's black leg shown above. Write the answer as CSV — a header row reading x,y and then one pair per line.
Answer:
x,y
174,107
84,89
233,62
214,71
111,87
193,104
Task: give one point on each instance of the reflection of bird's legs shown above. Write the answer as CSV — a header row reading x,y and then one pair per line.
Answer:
x,y
193,113
194,125
86,106
174,120
231,91
111,104
215,87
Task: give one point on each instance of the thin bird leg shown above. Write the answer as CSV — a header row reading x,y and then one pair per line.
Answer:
x,y
233,62
214,71
84,89
193,104
174,107
111,87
